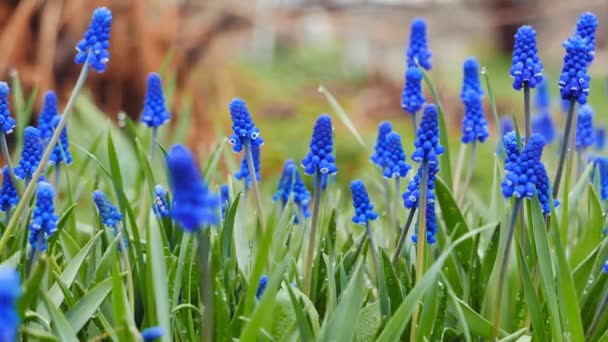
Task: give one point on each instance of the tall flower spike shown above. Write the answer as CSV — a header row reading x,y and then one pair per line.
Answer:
x,y
193,205
7,124
224,198
10,290
320,158
243,173
474,124
364,210
574,81
160,201
543,98
585,27
543,124
44,220
520,176
418,50
427,137
411,97
9,197
155,112
600,138
412,194
243,126
30,155
110,216
511,148
291,183
431,225
585,136
543,187
470,79
526,67
395,164
46,116
601,164
61,151
378,157
93,47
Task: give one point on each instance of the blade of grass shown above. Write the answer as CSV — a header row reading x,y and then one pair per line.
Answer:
x,y
341,113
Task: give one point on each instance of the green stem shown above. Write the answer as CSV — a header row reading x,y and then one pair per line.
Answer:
x,y
528,125
385,306
254,182
421,242
387,197
395,208
404,231
503,267
458,170
29,190
470,167
597,317
206,285
414,123
313,233
564,150
9,162
153,143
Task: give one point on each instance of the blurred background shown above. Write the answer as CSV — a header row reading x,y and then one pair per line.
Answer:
x,y
276,53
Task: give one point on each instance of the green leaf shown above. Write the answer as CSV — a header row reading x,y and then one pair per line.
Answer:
x,y
368,323
339,325
429,312
305,313
158,269
341,113
486,76
228,229
393,284
398,322
60,327
86,307
546,267
454,221
32,286
474,321
107,259
591,234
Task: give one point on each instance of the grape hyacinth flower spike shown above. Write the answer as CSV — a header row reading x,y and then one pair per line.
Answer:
x,y
523,178
46,116
470,80
224,199
30,155
61,151
542,124
93,47
586,27
526,68
600,138
10,291
246,135
194,207
377,157
291,183
543,98
600,164
574,87
9,197
412,99
160,208
155,111
585,135
395,167
44,221
418,51
319,162
7,124
244,174
110,216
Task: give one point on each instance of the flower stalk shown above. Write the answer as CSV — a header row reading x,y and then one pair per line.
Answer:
x,y
313,233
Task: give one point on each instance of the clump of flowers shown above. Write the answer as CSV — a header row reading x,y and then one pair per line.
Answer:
x,y
377,157
7,123
418,51
30,155
526,67
155,111
44,220
93,48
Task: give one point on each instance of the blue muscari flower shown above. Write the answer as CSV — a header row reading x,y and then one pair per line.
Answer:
x,y
395,162
7,123
506,126
605,268
600,138
412,194
9,197
585,27
474,124
378,157
542,124
31,153
155,112
160,201
193,205
243,173
243,127
511,148
574,81
44,220
543,187
93,47
418,50
153,333
431,225
261,287
520,176
224,198
427,137
110,216
46,116
320,158
10,290
291,183
543,98
411,97
61,151
470,79
584,128
601,164
364,210
526,67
